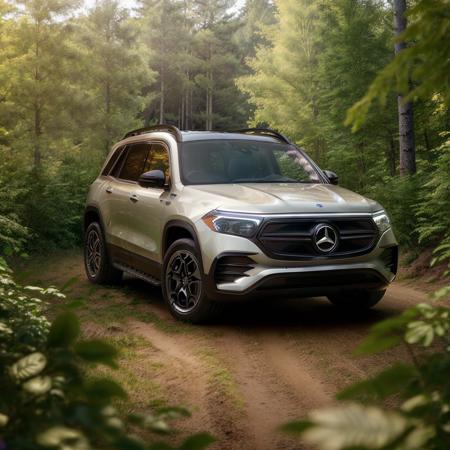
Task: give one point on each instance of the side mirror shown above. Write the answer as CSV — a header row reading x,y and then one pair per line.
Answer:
x,y
153,178
332,177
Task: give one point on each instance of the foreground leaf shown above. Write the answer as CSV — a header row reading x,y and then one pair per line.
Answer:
x,y
98,351
388,382
64,331
104,389
197,442
353,425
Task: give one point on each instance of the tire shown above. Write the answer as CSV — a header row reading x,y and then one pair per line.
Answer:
x,y
356,300
183,284
98,265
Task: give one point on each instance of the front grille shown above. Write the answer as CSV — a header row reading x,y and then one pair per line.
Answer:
x,y
230,268
294,238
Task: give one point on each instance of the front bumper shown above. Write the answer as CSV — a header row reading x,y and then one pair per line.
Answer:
x,y
319,276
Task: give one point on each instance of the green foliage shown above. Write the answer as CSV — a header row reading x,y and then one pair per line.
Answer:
x,y
400,197
422,418
283,86
426,61
117,75
432,212
13,232
318,60
23,327
48,400
55,206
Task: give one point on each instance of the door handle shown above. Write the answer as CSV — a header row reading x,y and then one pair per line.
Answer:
x,y
134,198
109,190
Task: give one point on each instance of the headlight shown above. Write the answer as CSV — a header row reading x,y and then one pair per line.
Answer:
x,y
229,223
382,221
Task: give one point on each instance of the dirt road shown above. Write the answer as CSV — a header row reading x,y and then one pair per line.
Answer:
x,y
260,366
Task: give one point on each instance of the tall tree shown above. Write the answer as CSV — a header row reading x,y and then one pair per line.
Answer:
x,y
215,54
284,85
254,17
165,31
425,61
405,107
354,46
37,74
116,72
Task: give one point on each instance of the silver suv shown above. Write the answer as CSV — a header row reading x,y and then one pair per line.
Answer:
x,y
214,216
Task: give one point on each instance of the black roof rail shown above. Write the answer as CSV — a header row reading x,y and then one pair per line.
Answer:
x,y
264,132
172,129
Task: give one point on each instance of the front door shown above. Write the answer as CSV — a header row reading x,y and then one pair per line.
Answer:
x,y
147,208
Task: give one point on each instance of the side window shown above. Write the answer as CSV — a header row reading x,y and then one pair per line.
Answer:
x,y
112,161
158,159
118,165
135,161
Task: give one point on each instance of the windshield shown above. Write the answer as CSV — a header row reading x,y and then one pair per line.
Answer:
x,y
235,161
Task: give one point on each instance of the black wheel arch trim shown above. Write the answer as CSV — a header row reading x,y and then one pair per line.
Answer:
x,y
96,210
179,223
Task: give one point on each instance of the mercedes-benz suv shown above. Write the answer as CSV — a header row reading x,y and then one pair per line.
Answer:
x,y
217,216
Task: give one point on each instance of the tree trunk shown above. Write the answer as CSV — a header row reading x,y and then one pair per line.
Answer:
x,y
37,136
210,105
405,109
181,114
161,99
187,109
191,109
108,116
390,156
207,109
37,131
209,101
427,141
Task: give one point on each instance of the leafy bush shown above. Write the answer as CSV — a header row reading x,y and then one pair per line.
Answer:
x,y
433,211
400,197
53,210
47,399
13,233
421,390
23,327
44,208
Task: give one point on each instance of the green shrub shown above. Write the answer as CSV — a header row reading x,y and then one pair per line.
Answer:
x,y
433,211
400,197
13,233
47,401
53,210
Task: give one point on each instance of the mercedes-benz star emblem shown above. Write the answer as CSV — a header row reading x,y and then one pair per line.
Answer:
x,y
325,238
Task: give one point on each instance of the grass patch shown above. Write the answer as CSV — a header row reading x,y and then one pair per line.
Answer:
x,y
110,310
221,378
137,373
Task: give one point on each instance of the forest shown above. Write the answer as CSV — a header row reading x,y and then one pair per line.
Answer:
x,y
74,79
363,86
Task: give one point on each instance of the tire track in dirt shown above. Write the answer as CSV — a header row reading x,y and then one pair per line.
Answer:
x,y
272,382
211,410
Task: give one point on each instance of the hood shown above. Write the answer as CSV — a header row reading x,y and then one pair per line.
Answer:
x,y
282,198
